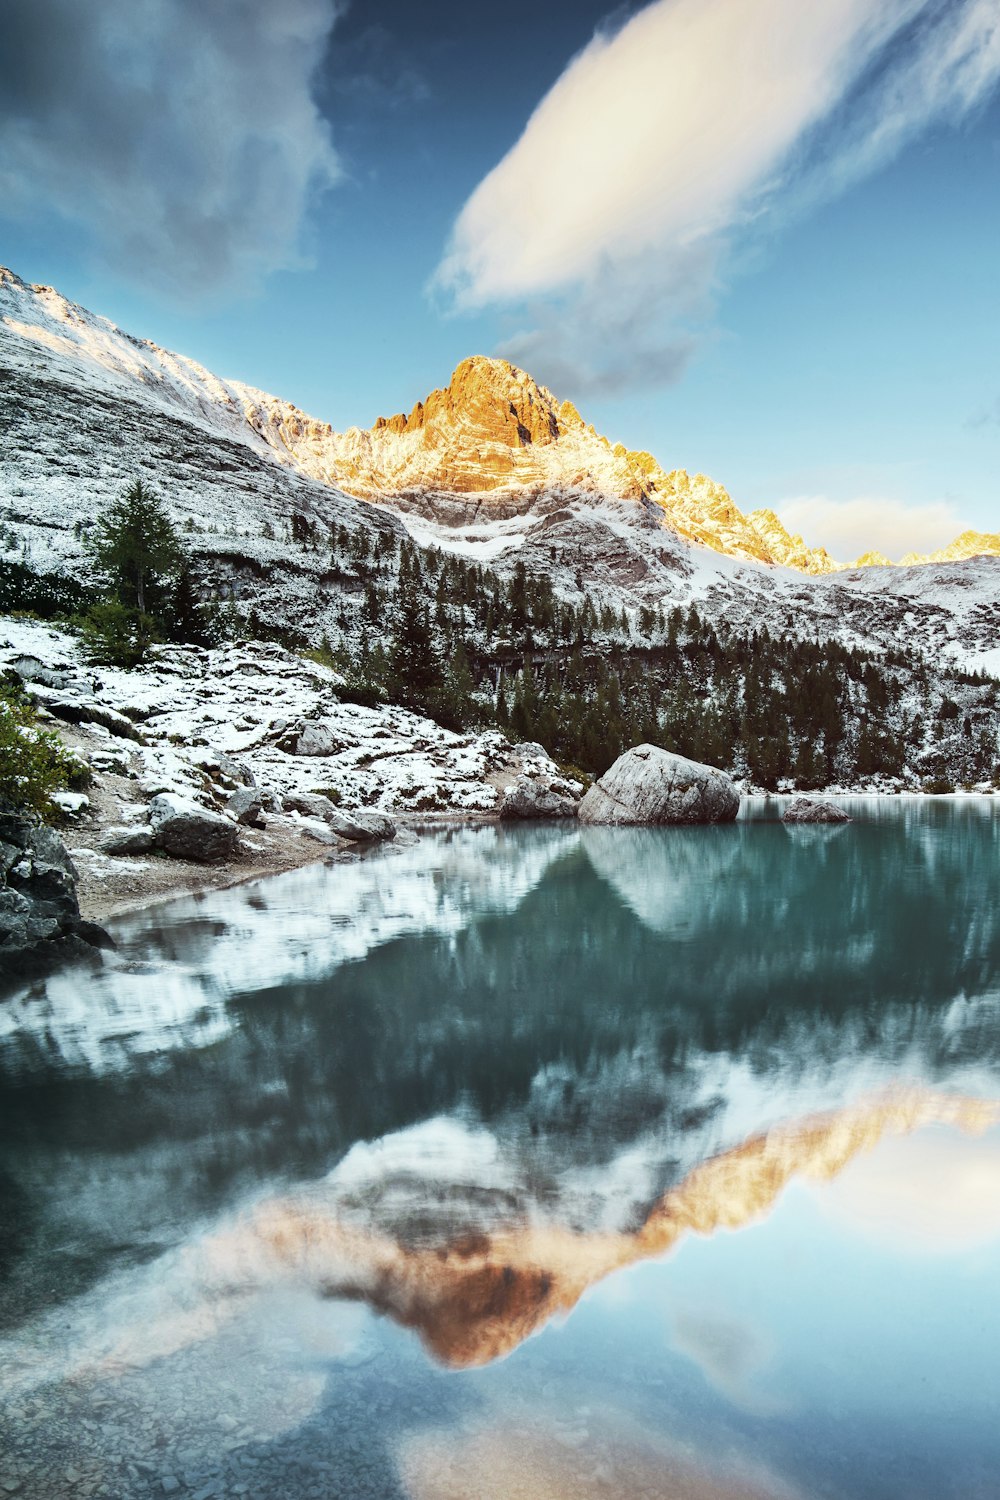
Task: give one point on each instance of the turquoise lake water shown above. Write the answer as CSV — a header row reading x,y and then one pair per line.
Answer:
x,y
524,1162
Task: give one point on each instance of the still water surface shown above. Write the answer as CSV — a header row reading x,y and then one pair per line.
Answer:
x,y
530,1162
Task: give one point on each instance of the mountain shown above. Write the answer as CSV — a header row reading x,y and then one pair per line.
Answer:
x,y
491,445
491,468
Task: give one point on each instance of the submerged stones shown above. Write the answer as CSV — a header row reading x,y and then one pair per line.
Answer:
x,y
650,785
814,810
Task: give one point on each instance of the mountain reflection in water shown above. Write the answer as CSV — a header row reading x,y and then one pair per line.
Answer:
x,y
462,1084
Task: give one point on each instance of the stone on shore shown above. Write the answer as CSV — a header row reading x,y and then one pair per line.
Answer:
x,y
648,785
187,831
127,840
362,826
814,810
246,805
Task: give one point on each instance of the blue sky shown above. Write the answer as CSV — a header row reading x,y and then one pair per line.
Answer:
x,y
760,241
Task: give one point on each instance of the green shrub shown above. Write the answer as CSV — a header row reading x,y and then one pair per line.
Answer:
x,y
116,636
34,763
938,786
331,793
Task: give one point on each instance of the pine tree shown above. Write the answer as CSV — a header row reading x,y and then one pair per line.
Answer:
x,y
414,671
135,546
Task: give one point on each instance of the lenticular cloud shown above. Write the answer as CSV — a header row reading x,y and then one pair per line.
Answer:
x,y
663,142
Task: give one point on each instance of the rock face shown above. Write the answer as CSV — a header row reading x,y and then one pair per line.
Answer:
x,y
650,785
40,922
814,810
188,831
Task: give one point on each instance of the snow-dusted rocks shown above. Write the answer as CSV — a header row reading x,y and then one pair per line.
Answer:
x,y
188,831
213,753
814,810
650,785
311,739
361,827
127,841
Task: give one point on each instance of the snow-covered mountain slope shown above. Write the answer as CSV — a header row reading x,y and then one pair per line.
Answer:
x,y
492,467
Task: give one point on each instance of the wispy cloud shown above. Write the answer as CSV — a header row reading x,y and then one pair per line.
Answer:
x,y
373,69
182,136
694,123
847,528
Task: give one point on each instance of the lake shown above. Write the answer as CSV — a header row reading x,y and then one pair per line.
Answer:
x,y
524,1162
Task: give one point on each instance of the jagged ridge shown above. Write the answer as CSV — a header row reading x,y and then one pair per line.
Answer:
x,y
492,443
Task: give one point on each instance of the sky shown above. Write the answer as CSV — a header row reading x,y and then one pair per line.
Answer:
x,y
759,239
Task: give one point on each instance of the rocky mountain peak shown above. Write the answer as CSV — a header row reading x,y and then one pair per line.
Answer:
x,y
496,400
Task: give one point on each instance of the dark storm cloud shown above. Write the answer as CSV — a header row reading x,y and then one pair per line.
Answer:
x,y
181,135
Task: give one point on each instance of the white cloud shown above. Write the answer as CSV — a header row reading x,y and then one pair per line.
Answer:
x,y
938,1193
181,135
663,141
847,528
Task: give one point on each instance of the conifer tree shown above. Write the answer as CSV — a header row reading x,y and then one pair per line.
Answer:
x,y
135,545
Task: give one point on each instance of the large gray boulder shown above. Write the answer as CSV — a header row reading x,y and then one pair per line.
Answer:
x,y
309,804
312,737
127,840
187,831
650,785
814,810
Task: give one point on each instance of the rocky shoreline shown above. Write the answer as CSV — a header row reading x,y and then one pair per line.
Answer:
x,y
210,768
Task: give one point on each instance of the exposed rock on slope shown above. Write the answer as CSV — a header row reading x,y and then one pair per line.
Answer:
x,y
969,544
650,785
791,551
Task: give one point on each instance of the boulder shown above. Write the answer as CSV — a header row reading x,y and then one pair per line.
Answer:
x,y
309,738
814,810
127,840
650,785
246,805
534,797
361,827
309,804
187,831
357,827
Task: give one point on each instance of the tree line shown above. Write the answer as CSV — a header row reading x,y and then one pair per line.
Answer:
x,y
474,648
